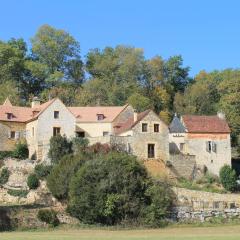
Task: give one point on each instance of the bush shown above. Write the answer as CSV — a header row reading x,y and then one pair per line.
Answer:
x,y
18,193
111,189
48,216
228,178
4,176
59,147
160,202
20,151
42,171
61,174
99,148
79,145
5,154
32,181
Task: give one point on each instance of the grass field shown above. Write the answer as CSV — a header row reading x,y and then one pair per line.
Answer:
x,y
185,233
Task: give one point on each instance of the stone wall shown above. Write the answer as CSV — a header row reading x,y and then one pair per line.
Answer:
x,y
198,205
159,139
6,143
181,165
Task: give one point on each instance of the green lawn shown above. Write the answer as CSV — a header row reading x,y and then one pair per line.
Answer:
x,y
185,233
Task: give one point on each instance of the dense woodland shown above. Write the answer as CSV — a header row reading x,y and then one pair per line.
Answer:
x,y
53,66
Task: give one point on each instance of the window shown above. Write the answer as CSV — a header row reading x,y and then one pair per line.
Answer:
x,y
144,127
9,115
151,150
100,117
105,134
12,135
182,146
56,131
56,114
33,131
156,127
209,146
80,134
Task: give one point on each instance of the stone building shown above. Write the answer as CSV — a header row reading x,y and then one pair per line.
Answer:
x,y
205,137
143,134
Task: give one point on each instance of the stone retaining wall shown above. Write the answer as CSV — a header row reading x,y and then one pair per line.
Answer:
x,y
199,205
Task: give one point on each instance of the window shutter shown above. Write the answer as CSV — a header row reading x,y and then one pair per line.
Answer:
x,y
17,135
207,147
214,147
9,134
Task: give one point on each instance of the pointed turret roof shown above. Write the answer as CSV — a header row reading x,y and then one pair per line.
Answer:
x,y
176,126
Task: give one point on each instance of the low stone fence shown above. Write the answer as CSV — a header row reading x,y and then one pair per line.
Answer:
x,y
199,205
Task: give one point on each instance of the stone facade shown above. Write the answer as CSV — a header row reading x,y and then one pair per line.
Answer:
x,y
194,205
205,137
213,160
40,130
10,134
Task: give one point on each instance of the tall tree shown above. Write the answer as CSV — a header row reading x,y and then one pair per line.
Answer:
x,y
60,52
118,70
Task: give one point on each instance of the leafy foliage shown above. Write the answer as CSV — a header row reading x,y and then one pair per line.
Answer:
x,y
32,181
42,171
48,216
18,193
59,146
112,188
228,178
5,154
4,175
61,174
160,202
20,151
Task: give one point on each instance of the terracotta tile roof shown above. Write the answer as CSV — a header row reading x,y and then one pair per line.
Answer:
x,y
205,124
129,124
21,114
89,114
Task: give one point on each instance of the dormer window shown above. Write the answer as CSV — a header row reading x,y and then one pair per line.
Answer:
x,y
9,116
100,117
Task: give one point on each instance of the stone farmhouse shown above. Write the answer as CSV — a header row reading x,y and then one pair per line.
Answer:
x,y
142,134
205,137
189,141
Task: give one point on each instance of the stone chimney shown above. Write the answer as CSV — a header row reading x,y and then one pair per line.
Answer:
x,y
35,102
221,115
135,115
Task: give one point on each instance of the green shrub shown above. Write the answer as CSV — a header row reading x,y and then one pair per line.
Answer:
x,y
20,151
59,147
112,189
79,145
18,193
4,176
228,178
61,174
5,154
32,181
48,216
42,171
160,197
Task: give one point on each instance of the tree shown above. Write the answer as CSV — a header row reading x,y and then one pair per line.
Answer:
x,y
61,174
139,102
228,178
108,189
60,52
200,97
9,89
59,146
117,71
